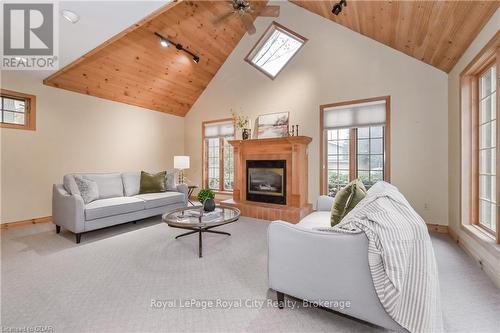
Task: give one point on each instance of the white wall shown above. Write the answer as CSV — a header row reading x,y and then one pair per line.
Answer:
x,y
336,65
77,133
488,254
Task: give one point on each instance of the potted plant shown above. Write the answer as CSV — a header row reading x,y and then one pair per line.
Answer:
x,y
206,197
241,123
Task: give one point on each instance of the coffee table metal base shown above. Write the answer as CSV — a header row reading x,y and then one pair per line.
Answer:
x,y
199,231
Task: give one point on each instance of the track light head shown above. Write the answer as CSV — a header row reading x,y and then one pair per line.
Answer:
x,y
164,42
196,59
337,8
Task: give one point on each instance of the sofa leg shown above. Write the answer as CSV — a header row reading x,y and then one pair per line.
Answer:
x,y
58,229
78,237
281,299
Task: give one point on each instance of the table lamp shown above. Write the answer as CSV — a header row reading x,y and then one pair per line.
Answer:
x,y
181,163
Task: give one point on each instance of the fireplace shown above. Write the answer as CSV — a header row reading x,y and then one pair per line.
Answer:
x,y
266,181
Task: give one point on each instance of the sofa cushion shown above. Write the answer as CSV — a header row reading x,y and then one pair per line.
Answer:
x,y
112,206
154,200
346,199
88,189
131,183
170,181
153,183
110,185
318,219
70,185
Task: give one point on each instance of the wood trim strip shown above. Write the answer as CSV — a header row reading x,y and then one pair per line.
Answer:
x,y
116,37
442,229
25,223
30,114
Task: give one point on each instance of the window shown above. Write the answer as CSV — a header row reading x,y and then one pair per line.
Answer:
x,y
487,150
218,158
275,49
18,110
355,143
480,142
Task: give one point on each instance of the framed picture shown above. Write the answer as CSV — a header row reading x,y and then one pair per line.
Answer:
x,y
273,125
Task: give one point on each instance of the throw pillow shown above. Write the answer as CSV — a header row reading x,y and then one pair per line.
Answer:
x,y
346,199
88,189
170,181
152,183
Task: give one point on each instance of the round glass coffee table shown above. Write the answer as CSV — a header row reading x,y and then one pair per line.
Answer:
x,y
199,221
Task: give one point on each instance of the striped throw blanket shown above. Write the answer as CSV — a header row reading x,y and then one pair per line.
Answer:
x,y
401,258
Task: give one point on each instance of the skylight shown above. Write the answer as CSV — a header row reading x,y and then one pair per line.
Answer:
x,y
275,49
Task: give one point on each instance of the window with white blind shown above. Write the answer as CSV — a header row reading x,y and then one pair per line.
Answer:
x,y
355,143
218,161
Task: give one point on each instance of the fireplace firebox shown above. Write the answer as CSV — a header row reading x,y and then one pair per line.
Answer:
x,y
266,181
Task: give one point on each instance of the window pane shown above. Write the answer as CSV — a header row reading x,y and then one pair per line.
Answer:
x,y
363,146
363,132
13,118
338,160
376,146
376,132
213,163
487,153
228,165
11,104
377,162
363,162
275,52
370,168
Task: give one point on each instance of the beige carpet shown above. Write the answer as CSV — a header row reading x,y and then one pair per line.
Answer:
x,y
107,283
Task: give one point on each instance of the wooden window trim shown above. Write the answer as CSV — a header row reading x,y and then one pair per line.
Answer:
x,y
277,26
30,123
204,156
469,123
353,142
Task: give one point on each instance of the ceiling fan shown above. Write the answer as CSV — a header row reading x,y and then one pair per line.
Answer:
x,y
244,9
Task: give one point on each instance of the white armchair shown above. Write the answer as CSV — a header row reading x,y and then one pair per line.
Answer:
x,y
321,267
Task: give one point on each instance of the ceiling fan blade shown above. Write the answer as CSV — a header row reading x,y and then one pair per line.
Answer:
x,y
271,11
248,23
223,17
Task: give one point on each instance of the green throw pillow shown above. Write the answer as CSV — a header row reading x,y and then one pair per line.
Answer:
x,y
152,183
346,199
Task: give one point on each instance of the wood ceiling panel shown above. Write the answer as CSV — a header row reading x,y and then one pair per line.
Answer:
x,y
133,68
435,32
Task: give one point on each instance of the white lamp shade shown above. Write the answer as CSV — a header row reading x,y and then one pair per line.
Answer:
x,y
181,162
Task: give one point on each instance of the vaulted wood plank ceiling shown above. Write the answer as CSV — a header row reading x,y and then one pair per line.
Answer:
x,y
133,68
435,32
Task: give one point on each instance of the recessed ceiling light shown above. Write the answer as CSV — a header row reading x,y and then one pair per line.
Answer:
x,y
70,16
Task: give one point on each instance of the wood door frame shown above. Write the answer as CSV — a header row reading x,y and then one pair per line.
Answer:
x,y
204,155
323,186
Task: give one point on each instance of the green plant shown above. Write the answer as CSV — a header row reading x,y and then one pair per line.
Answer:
x,y
240,121
205,194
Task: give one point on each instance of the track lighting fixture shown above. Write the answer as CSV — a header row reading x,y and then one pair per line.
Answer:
x,y
164,42
337,8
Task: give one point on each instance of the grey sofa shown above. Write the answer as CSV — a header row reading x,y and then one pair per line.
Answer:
x,y
119,202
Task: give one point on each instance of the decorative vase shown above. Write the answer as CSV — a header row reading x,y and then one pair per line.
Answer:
x,y
245,134
209,205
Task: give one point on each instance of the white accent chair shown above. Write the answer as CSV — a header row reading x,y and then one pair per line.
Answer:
x,y
320,266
